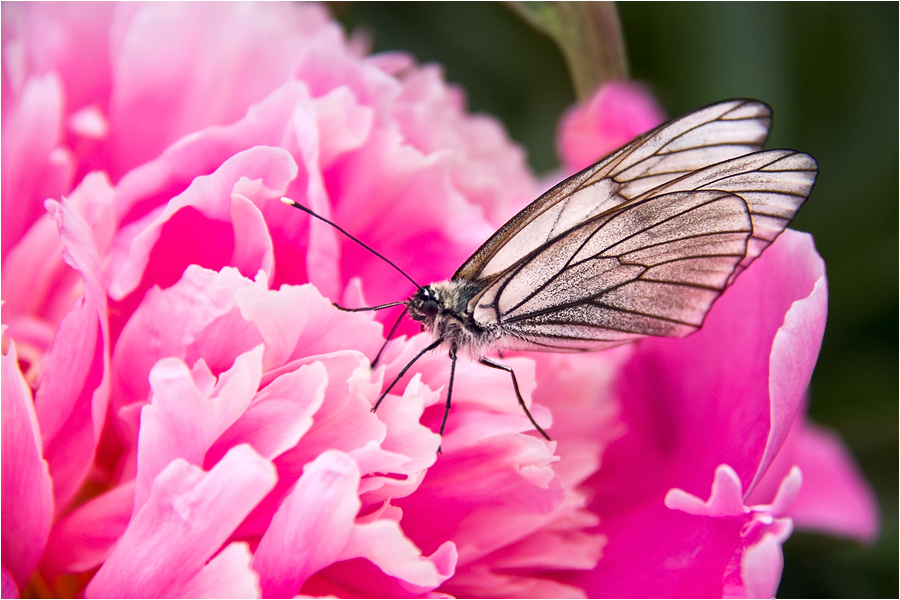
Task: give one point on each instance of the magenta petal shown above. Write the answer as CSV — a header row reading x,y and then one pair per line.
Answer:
x,y
9,588
187,518
97,525
716,397
27,491
835,497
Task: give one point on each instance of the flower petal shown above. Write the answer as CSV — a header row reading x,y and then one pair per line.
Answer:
x,y
27,490
186,519
183,420
72,399
314,527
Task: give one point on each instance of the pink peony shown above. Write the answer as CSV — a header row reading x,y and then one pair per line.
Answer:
x,y
186,414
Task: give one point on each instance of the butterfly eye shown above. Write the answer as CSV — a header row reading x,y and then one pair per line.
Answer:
x,y
429,308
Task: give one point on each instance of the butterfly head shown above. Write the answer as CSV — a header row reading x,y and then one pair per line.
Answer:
x,y
425,306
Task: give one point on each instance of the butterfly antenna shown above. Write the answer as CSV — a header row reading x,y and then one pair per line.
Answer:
x,y
308,211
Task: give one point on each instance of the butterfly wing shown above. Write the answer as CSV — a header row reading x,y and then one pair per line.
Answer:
x,y
775,184
653,267
666,234
709,135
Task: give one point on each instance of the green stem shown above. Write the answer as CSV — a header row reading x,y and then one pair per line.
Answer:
x,y
589,36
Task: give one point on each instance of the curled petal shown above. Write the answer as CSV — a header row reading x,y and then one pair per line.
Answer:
x,y
185,521
314,527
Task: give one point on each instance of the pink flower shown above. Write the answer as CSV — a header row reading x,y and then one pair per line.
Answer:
x,y
186,414
612,117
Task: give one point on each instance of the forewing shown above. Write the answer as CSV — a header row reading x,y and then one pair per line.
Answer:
x,y
773,183
706,136
654,267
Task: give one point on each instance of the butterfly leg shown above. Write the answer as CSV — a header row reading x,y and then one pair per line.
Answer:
x,y
495,365
387,340
403,371
449,391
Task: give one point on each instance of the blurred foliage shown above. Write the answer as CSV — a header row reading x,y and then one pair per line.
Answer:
x,y
830,71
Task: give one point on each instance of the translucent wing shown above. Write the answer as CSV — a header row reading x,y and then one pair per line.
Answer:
x,y
709,135
774,183
653,266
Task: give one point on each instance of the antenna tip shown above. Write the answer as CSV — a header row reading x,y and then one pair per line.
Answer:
x,y
288,201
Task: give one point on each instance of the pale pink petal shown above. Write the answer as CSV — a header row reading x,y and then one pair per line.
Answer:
x,y
33,272
344,421
432,117
761,566
153,183
185,521
183,420
209,196
253,250
343,124
795,348
616,113
27,490
297,322
585,416
227,575
406,436
159,96
71,401
513,471
322,254
195,318
89,122
34,166
725,498
80,36
278,416
315,527
39,287
786,495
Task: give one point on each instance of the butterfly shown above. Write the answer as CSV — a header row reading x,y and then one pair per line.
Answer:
x,y
641,243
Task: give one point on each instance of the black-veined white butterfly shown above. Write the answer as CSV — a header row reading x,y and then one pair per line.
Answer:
x,y
640,243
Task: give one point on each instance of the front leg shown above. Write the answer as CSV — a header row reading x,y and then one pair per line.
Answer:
x,y
495,365
449,391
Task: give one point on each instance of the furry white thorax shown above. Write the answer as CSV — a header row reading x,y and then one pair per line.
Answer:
x,y
443,309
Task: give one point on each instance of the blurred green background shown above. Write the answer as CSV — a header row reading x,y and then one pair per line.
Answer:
x,y
830,71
